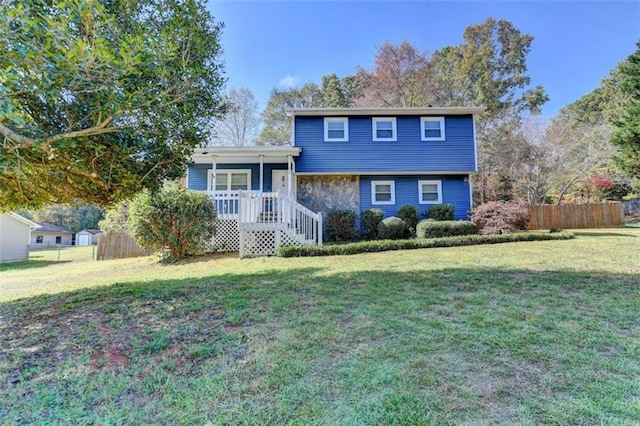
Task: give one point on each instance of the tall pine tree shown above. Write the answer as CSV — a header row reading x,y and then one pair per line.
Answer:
x,y
627,135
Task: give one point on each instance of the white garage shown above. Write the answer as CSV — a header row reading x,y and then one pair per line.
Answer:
x,y
15,234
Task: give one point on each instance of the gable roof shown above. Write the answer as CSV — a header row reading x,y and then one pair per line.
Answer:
x,y
24,220
428,110
92,231
50,227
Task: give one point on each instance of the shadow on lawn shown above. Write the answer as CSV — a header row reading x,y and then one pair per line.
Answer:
x,y
286,289
384,315
29,264
602,234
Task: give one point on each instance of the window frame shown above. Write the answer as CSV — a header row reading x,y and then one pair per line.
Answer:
x,y
424,120
438,183
394,129
344,120
375,183
211,181
58,239
39,239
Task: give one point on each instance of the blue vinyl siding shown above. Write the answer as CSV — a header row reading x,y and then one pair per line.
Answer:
x,y
454,191
198,174
408,154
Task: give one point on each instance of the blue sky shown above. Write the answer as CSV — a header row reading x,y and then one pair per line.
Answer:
x,y
275,43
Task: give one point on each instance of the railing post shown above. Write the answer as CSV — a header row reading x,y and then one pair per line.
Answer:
x,y
319,229
241,231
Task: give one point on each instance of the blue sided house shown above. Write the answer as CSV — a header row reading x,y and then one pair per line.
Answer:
x,y
340,158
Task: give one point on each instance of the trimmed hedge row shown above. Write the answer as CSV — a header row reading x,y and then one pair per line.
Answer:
x,y
445,228
387,245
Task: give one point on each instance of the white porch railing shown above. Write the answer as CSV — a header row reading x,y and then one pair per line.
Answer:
x,y
226,203
268,220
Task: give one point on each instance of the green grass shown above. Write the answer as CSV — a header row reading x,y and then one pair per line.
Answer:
x,y
520,333
45,257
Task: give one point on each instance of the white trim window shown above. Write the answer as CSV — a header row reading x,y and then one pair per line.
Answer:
x,y
230,180
336,129
383,192
384,129
430,192
432,128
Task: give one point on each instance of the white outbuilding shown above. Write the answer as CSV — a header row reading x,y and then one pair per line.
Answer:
x,y
88,237
15,234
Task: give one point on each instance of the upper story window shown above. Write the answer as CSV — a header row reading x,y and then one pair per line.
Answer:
x,y
336,129
383,192
432,128
430,192
384,129
230,180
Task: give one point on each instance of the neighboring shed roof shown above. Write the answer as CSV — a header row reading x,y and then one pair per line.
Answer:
x,y
50,227
92,231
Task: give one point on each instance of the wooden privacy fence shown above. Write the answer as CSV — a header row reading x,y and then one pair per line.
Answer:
x,y
576,216
118,246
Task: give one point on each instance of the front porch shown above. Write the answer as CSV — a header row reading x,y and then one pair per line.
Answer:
x,y
254,192
258,223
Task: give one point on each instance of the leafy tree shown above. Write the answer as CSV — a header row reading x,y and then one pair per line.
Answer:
x,y
99,99
176,220
277,124
116,218
400,77
73,217
240,125
627,128
490,69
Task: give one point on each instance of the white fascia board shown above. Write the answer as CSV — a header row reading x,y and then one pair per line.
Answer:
x,y
335,112
389,173
244,154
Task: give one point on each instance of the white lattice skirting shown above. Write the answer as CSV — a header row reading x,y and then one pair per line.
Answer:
x,y
265,242
227,237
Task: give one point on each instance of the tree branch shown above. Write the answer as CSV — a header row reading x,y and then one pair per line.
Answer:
x,y
25,142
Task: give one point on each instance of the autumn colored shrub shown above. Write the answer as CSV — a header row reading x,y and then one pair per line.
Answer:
x,y
500,217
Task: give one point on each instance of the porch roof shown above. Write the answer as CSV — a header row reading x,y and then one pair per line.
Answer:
x,y
251,154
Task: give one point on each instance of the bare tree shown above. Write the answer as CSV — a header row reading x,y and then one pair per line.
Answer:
x,y
576,151
241,124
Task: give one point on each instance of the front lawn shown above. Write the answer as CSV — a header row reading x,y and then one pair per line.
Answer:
x,y
517,333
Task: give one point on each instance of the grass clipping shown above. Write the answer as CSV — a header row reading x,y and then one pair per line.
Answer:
x,y
418,243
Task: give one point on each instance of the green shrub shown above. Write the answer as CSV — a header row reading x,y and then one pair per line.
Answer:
x,y
177,221
392,228
371,218
418,243
440,212
341,225
409,214
445,228
499,217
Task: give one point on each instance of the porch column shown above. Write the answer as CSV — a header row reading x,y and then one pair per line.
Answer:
x,y
289,176
261,173
212,181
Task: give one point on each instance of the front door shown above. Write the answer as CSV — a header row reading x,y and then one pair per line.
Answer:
x,y
279,182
